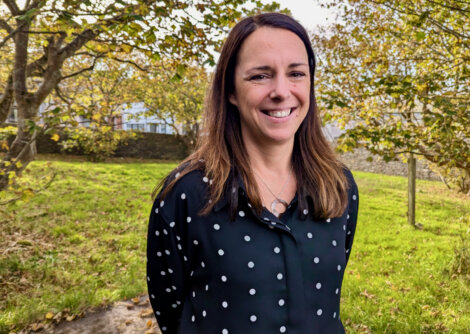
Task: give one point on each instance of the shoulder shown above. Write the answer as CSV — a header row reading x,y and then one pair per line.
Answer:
x,y
349,176
188,193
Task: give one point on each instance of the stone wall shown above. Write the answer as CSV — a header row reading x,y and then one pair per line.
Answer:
x,y
357,160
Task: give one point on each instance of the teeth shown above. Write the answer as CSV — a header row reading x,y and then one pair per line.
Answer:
x,y
279,113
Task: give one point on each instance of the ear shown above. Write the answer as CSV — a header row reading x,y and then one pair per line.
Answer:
x,y
233,100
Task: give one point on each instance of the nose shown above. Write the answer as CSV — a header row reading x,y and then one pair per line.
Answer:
x,y
280,88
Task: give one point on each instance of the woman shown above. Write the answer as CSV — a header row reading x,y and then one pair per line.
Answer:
x,y
252,232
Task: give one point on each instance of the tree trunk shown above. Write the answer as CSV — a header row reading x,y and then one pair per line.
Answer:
x,y
411,189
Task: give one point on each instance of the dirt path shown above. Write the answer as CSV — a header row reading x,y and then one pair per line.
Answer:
x,y
133,316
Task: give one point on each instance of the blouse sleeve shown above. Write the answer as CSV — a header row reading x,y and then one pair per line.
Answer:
x,y
352,216
165,270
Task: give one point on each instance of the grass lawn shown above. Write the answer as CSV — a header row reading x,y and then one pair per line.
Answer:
x,y
81,243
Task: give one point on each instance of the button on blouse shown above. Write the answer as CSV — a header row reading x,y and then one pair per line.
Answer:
x,y
256,274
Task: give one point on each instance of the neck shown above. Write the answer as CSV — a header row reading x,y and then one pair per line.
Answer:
x,y
276,160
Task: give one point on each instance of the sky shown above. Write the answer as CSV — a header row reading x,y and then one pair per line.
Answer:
x,y
307,12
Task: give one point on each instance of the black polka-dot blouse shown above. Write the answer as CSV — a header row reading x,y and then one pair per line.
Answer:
x,y
256,274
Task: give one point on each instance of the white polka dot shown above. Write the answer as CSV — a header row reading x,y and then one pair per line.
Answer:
x,y
152,296
328,220
221,252
282,329
194,294
167,252
204,313
148,278
159,253
349,232
334,243
203,264
281,302
177,175
252,292
162,203
344,227
156,210
164,328
336,291
253,318
277,250
318,285
162,273
196,242
165,232
280,276
224,304
347,251
207,287
334,315
251,264
319,311
183,196
247,238
309,235
223,278
205,179
172,224
174,305
224,331
188,219
266,218
170,271
193,318
157,233
354,197
346,218
185,258
241,214
316,259
157,313
216,227
339,267
168,290
305,212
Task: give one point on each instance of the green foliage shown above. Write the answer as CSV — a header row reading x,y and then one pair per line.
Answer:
x,y
397,73
85,233
97,142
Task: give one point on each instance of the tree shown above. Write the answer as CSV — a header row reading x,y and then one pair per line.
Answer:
x,y
45,33
398,74
89,108
177,100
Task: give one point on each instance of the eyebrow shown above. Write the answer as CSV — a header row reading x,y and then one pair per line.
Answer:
x,y
265,67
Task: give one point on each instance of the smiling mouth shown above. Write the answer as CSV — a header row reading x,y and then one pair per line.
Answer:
x,y
280,113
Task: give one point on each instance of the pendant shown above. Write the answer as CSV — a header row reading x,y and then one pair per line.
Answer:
x,y
275,203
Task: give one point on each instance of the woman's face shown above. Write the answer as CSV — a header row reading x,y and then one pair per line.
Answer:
x,y
272,86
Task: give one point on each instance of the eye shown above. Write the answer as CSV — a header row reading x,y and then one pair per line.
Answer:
x,y
297,74
259,77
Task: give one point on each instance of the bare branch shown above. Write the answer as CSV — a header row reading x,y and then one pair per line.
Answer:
x,y
12,6
6,26
90,68
143,69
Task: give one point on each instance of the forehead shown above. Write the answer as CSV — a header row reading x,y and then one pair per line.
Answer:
x,y
268,46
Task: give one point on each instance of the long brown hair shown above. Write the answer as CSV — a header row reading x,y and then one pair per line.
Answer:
x,y
220,152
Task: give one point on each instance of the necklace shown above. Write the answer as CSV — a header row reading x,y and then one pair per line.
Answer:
x,y
277,199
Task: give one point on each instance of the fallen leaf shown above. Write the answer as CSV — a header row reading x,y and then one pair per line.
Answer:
x,y
70,317
149,323
128,322
49,315
146,313
135,300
